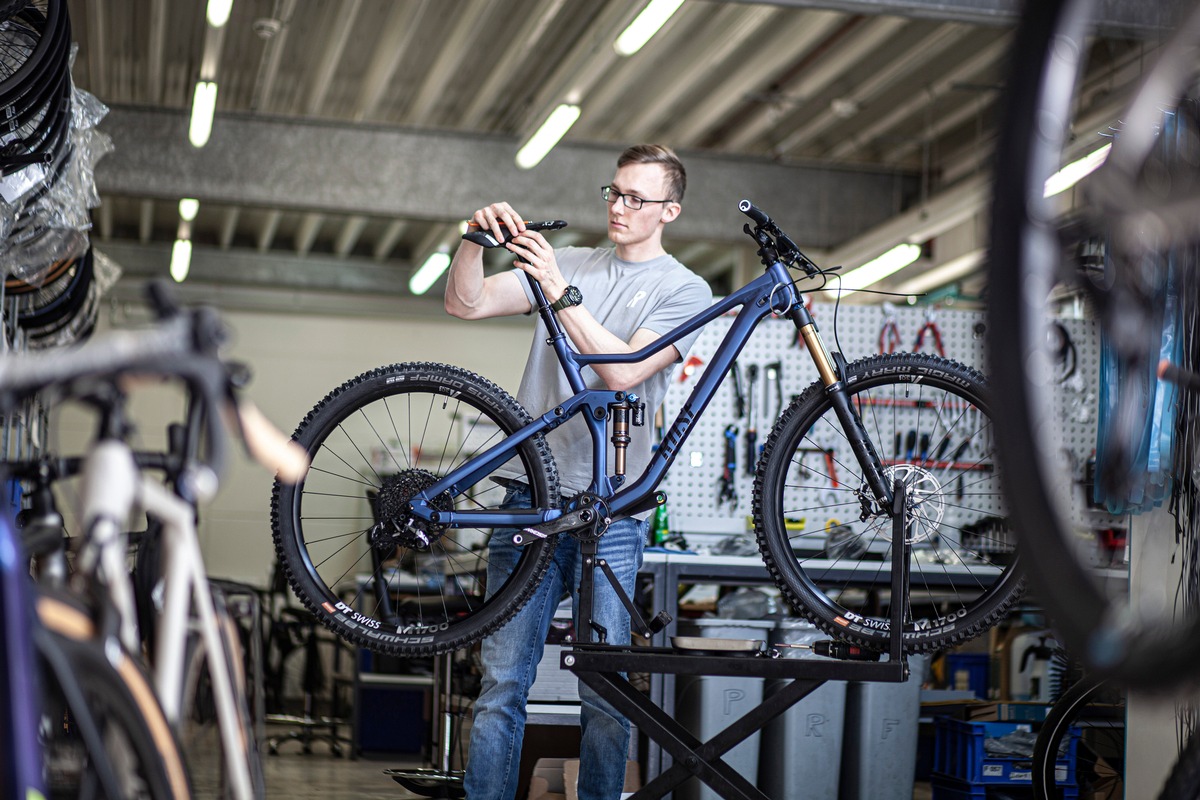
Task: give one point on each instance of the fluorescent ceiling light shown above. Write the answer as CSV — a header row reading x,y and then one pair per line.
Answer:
x,y
218,12
430,271
542,142
1076,171
188,208
181,259
879,268
204,105
942,274
645,25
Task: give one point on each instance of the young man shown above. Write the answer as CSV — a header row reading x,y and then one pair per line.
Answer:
x,y
609,300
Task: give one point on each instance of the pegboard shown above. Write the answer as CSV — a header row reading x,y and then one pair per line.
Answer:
x,y
694,481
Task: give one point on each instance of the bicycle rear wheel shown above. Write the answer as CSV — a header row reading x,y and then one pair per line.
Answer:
x,y
139,747
353,555
1112,253
827,542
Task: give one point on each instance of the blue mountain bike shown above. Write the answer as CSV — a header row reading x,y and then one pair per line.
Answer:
x,y
386,540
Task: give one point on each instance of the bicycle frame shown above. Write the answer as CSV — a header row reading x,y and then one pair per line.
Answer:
x,y
112,487
771,293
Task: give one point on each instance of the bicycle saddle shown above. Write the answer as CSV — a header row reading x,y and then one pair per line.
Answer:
x,y
485,238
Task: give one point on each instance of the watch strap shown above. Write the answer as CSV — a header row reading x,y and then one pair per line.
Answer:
x,y
566,301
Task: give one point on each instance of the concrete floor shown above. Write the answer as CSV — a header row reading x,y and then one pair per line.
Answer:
x,y
292,775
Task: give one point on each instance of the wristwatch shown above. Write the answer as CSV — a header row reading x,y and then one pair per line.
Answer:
x,y
570,297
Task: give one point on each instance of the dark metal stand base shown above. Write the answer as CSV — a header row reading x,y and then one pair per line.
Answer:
x,y
602,666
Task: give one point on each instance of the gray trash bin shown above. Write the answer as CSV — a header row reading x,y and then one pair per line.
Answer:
x,y
879,750
707,704
801,750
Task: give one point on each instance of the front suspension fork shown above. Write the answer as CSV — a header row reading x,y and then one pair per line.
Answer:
x,y
835,387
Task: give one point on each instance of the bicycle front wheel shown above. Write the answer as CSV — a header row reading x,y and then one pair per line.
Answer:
x,y
86,683
355,557
828,542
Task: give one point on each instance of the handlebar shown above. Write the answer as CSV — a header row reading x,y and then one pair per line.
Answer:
x,y
782,248
182,344
755,213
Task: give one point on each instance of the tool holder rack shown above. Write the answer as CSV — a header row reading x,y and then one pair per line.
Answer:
x,y
604,669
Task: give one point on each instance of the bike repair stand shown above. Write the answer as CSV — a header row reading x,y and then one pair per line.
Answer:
x,y
600,666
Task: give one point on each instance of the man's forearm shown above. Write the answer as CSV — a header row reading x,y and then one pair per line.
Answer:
x,y
464,281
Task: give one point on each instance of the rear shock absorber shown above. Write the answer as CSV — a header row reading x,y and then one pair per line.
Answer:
x,y
628,410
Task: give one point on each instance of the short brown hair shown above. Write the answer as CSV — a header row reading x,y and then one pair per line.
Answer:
x,y
658,154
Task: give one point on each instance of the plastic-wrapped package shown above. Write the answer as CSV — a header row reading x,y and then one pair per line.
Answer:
x,y
48,223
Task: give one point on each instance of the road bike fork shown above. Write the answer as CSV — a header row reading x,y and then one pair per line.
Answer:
x,y
831,371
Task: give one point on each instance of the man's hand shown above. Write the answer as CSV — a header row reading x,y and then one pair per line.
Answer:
x,y
496,217
542,265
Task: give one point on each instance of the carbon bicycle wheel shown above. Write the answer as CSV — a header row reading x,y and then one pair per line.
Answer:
x,y
139,747
352,554
1107,245
828,544
1088,720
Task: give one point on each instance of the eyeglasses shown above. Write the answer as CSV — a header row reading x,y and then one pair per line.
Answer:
x,y
631,201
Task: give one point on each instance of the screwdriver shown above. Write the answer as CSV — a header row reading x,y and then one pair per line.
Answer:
x,y
832,648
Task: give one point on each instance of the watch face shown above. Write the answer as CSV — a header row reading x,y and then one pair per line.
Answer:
x,y
573,295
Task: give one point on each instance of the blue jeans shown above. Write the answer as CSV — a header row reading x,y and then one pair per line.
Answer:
x,y
511,656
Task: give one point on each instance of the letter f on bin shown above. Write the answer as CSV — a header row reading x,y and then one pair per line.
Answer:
x,y
889,725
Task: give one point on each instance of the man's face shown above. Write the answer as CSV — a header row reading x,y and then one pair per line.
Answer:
x,y
647,181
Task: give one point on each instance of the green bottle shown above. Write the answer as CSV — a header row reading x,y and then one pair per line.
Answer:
x,y
660,529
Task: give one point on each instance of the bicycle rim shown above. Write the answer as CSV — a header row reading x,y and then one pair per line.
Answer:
x,y
1081,745
355,556
1100,254
828,544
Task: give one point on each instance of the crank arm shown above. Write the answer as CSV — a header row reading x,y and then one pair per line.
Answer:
x,y
567,522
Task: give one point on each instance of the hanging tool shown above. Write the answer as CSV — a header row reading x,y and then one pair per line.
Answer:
x,y
889,334
774,375
728,486
924,447
910,445
931,327
830,467
751,430
738,397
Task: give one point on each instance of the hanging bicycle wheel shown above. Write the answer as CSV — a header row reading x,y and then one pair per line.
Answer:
x,y
1080,748
352,553
828,544
1110,244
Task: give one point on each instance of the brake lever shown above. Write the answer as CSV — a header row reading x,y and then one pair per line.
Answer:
x,y
485,238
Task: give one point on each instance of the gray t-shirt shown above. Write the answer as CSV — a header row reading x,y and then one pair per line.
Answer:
x,y
623,296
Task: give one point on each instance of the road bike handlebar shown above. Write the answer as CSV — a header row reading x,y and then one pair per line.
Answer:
x,y
182,344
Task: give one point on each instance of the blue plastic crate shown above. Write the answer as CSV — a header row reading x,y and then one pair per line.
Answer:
x,y
953,790
960,756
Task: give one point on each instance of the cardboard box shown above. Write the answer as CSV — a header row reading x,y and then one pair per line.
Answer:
x,y
633,779
546,783
1009,712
